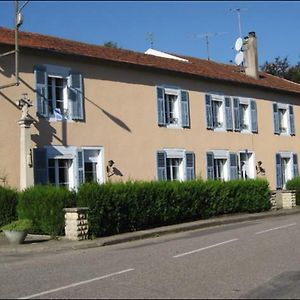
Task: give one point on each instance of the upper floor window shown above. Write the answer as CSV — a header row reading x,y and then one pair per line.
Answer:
x,y
283,117
59,93
175,164
172,107
228,113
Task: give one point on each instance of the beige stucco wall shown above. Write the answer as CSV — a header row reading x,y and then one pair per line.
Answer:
x,y
121,116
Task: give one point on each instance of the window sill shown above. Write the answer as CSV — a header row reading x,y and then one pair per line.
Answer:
x,y
171,126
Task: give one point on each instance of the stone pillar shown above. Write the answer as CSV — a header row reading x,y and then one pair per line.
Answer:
x,y
26,169
283,199
76,223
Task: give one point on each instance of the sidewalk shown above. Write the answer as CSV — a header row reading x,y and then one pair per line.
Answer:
x,y
43,243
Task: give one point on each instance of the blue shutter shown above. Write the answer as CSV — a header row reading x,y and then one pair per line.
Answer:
x,y
295,165
160,99
41,88
228,111
185,113
40,165
80,167
279,179
190,165
76,96
208,106
236,112
253,116
161,162
210,165
292,120
233,166
276,118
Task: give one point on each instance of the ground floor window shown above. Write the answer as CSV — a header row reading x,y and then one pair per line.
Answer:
x,y
286,168
246,165
219,169
174,168
58,171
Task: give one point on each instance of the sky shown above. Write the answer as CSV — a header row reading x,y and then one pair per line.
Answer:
x,y
178,27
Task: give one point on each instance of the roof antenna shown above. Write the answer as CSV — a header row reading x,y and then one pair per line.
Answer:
x,y
150,38
206,35
238,12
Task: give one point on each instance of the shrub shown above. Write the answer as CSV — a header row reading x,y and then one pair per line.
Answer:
x,y
19,225
44,206
121,207
8,204
294,184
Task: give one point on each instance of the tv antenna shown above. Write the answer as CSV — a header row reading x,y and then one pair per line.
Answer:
x,y
238,12
150,38
207,35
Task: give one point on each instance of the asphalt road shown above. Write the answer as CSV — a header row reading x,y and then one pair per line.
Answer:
x,y
255,259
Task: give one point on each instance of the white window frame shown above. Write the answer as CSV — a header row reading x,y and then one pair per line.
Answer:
x,y
177,107
250,163
283,106
289,173
224,155
246,101
177,153
222,114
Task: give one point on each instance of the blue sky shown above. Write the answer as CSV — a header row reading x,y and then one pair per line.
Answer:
x,y
174,25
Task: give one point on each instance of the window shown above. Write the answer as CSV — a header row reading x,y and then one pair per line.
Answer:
x,y
244,116
59,93
217,112
283,117
246,165
172,107
221,165
175,164
67,166
286,168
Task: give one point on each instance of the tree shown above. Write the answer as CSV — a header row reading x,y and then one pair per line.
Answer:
x,y
111,44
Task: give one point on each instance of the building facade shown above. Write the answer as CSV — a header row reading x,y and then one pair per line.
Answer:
x,y
153,118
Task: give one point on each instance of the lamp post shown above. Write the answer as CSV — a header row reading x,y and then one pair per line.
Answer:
x,y
26,170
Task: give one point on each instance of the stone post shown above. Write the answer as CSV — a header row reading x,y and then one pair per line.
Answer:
x,y
26,169
76,223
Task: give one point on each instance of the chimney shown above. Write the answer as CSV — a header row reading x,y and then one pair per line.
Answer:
x,y
251,60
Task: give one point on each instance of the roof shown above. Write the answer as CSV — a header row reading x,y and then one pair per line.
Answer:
x,y
194,66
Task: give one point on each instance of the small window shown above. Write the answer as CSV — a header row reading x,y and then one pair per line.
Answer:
x,y
174,169
283,121
172,109
244,116
219,168
58,172
218,114
57,95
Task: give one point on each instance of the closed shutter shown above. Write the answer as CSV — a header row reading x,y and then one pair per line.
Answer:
x,y
292,120
295,165
236,112
190,165
253,116
80,167
208,109
41,87
276,118
233,166
279,182
210,165
161,162
228,111
75,95
40,165
160,99
185,113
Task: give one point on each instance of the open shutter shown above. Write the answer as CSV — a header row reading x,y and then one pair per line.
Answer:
x,y
161,162
185,113
210,165
276,118
190,165
233,166
160,99
295,165
236,112
253,116
41,91
208,106
292,120
228,111
279,182
75,95
80,167
40,165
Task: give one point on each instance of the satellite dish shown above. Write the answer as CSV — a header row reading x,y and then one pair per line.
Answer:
x,y
239,58
238,44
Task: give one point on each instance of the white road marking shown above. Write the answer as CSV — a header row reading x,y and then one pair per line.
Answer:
x,y
76,284
205,248
275,228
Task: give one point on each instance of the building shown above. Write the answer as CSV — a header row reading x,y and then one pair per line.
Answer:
x,y
155,116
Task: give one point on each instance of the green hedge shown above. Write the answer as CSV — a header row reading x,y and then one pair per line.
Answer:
x,y
294,184
8,204
44,206
121,207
